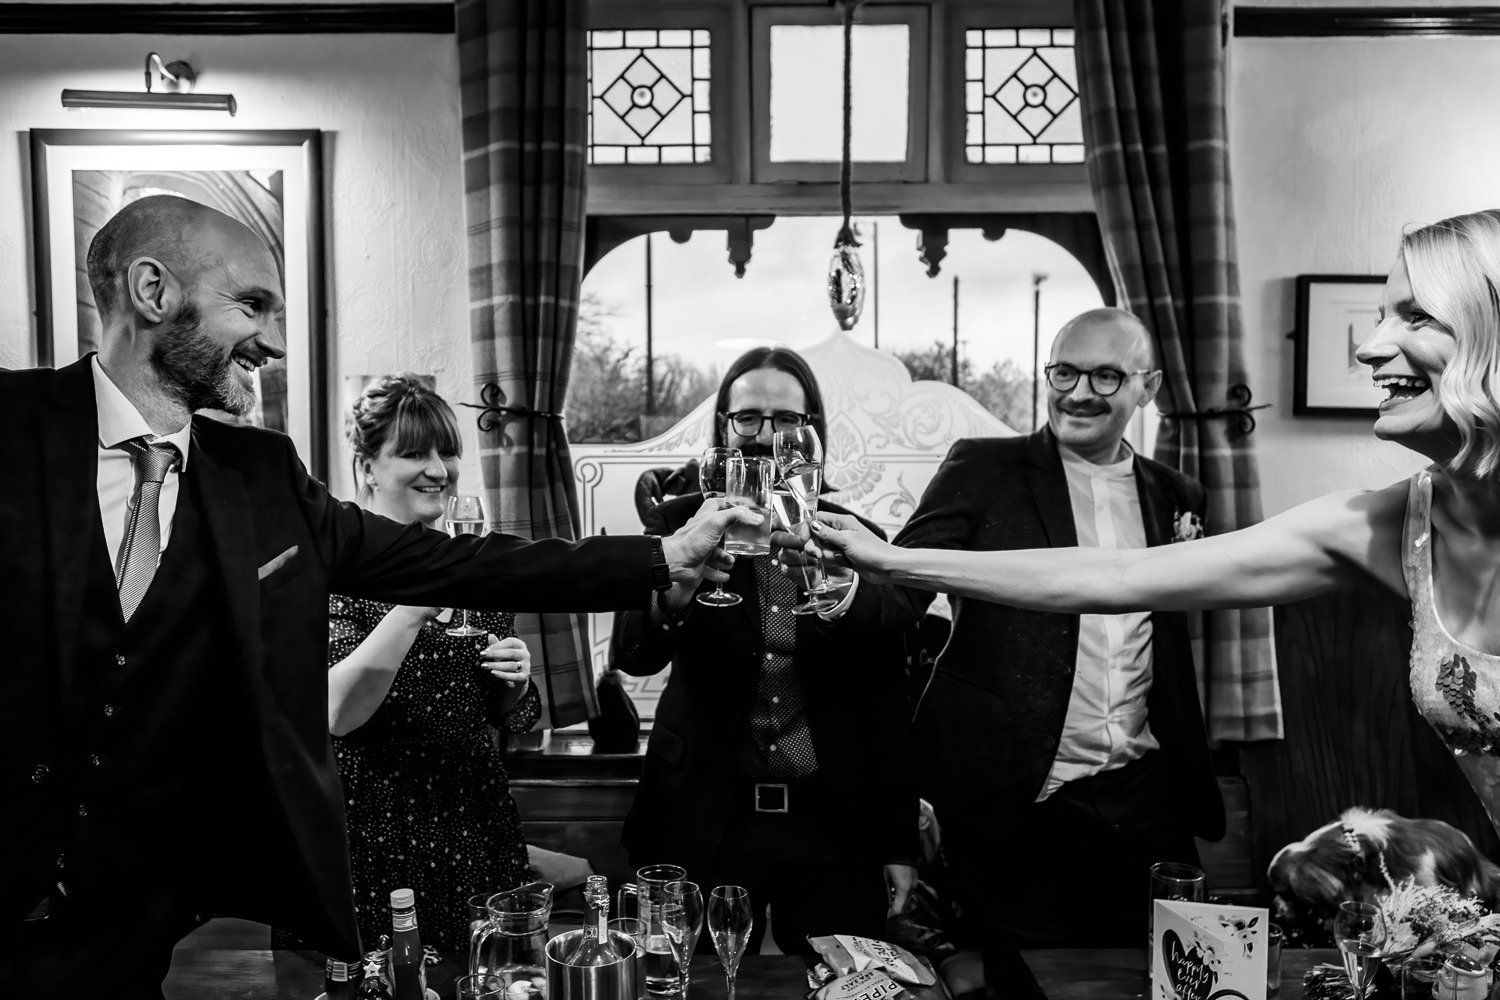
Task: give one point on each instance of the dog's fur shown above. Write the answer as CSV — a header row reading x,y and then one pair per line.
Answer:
x,y
1342,860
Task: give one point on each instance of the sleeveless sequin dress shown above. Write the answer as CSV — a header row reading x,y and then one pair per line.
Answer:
x,y
1456,687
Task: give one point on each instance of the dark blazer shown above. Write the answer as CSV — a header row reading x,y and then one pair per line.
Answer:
x,y
852,673
284,857
991,718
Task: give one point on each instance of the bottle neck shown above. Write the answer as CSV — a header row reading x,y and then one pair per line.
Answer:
x,y
404,920
596,921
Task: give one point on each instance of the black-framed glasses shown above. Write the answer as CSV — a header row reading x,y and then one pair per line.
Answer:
x,y
1104,381
748,423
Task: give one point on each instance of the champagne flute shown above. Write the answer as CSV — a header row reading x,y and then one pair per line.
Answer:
x,y
713,478
729,923
1360,931
799,459
465,517
682,920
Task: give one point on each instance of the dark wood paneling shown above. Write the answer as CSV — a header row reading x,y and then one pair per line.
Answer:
x,y
1353,736
225,19
1329,22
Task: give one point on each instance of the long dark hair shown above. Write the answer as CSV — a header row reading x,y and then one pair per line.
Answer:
x,y
782,359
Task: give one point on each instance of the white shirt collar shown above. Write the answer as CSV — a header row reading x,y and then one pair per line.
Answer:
x,y
1123,469
119,420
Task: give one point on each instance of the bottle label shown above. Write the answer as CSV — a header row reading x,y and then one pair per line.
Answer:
x,y
404,921
338,972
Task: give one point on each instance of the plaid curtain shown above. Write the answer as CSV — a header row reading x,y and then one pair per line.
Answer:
x,y
525,130
1152,79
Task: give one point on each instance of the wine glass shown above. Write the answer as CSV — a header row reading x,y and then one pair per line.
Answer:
x,y
729,923
682,920
465,517
713,479
1359,931
799,459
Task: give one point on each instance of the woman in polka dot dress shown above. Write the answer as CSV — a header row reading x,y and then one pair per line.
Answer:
x,y
411,707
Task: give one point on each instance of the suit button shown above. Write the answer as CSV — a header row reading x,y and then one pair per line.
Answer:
x,y
120,659
109,710
39,774
83,810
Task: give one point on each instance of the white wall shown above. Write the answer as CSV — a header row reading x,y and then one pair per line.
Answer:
x,y
1336,144
396,286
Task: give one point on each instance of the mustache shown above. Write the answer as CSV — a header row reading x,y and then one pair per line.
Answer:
x,y
1088,408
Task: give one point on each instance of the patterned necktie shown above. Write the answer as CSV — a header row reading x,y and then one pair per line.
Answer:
x,y
141,548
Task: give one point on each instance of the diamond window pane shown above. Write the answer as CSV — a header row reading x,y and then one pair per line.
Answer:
x,y
807,93
1029,111
648,93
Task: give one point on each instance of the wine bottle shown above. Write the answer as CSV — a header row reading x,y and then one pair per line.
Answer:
x,y
375,985
595,947
408,973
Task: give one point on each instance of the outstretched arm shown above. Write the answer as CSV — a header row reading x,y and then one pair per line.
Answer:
x,y
1302,552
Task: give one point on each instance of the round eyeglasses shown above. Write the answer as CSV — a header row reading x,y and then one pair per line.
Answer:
x,y
747,423
1104,381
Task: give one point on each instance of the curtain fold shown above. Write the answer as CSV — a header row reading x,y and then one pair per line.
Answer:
x,y
1152,84
525,131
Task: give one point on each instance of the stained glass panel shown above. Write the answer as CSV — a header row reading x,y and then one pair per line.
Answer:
x,y
1021,96
648,96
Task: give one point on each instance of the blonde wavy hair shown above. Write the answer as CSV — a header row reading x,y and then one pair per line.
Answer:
x,y
1454,269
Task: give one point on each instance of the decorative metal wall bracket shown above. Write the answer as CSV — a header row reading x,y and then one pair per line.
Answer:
x,y
493,411
1239,412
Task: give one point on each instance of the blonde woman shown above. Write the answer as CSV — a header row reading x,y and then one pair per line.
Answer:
x,y
1434,539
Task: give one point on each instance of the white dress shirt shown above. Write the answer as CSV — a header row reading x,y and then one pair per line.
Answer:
x,y
119,421
1106,723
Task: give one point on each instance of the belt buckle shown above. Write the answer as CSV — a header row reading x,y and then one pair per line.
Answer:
x,y
771,798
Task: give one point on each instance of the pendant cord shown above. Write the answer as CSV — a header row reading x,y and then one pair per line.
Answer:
x,y
846,172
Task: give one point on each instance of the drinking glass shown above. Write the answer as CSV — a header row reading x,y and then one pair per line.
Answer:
x,y
1359,931
465,517
799,460
713,476
1274,940
648,892
682,919
748,484
478,988
1172,880
1420,978
729,923
637,930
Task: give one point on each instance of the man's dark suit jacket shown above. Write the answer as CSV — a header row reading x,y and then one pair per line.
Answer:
x,y
992,716
852,674
276,851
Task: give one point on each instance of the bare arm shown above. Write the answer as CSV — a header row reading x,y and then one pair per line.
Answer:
x,y
1302,552
359,682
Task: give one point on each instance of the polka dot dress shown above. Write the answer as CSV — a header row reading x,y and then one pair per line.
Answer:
x,y
428,798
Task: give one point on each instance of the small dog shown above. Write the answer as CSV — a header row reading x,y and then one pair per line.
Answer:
x,y
1342,860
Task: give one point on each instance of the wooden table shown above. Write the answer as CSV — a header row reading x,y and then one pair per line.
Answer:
x,y
210,974
1119,974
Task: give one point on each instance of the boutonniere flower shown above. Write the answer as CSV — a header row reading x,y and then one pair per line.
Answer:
x,y
1186,526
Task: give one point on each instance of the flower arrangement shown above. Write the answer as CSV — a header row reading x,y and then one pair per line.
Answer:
x,y
1423,919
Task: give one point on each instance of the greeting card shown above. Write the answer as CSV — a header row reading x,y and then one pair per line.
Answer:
x,y
1204,951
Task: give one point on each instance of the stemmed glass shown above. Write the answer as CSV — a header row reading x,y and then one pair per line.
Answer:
x,y
713,478
799,459
682,920
1359,931
465,517
729,923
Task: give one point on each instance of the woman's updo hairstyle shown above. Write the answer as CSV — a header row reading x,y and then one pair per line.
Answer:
x,y
402,410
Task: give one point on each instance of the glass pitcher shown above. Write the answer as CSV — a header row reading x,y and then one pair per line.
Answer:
x,y
511,944
662,976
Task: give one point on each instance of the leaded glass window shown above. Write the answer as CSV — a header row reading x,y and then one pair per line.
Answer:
x,y
1021,96
648,96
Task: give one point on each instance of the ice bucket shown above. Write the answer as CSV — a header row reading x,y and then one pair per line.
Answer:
x,y
624,980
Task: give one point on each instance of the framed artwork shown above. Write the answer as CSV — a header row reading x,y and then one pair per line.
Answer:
x,y
269,180
1336,313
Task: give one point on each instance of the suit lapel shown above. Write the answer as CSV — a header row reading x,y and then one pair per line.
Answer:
x,y
1049,490
70,437
229,518
1157,508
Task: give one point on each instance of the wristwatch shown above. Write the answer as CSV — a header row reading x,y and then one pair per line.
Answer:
x,y
661,572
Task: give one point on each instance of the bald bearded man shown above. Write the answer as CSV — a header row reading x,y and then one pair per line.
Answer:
x,y
164,694
1064,754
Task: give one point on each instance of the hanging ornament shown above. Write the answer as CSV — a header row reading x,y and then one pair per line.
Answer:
x,y
846,274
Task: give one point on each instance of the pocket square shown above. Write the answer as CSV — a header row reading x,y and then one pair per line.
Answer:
x,y
276,563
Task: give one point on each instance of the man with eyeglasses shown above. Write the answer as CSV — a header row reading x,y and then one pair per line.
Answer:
x,y
773,726
1064,754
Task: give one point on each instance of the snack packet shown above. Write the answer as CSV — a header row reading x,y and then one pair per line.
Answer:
x,y
871,984
846,953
